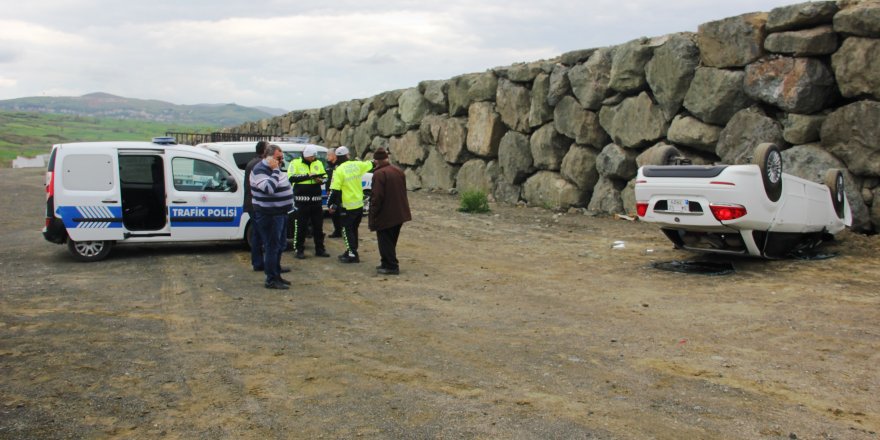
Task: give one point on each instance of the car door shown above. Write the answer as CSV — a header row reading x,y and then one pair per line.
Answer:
x,y
205,199
87,195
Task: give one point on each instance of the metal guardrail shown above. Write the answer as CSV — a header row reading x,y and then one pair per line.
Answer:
x,y
200,138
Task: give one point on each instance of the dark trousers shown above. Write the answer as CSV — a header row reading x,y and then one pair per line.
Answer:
x,y
256,244
351,221
337,223
388,246
271,230
309,215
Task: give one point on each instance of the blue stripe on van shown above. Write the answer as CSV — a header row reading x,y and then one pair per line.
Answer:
x,y
90,217
205,216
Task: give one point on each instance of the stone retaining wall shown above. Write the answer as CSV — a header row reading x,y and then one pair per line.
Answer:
x,y
571,131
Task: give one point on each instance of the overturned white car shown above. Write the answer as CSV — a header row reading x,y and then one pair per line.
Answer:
x,y
753,209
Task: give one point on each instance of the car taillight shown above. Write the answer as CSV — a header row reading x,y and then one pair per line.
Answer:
x,y
641,208
50,184
727,212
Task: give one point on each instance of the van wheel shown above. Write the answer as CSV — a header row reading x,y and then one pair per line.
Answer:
x,y
89,251
768,158
834,182
248,234
367,194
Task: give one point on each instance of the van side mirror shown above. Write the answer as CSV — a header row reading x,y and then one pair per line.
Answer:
x,y
230,183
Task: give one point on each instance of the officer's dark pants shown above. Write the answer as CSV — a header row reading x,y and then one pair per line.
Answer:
x,y
309,214
388,246
351,221
337,224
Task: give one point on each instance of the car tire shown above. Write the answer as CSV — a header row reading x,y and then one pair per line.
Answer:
x,y
663,155
769,159
835,183
89,251
248,238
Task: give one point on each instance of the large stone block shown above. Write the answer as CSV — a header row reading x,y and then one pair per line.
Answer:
x,y
797,85
691,132
576,56
746,130
515,158
801,129
635,122
670,71
407,149
857,67
579,167
548,148
484,129
390,124
452,143
522,72
467,89
581,125
413,179
811,161
539,111
477,175
366,108
512,103
550,190
437,173
616,162
435,93
802,15
607,197
559,84
862,20
732,42
431,127
715,95
353,111
590,80
413,107
808,42
852,133
507,193
628,66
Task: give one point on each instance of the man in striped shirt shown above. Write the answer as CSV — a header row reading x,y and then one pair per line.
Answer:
x,y
273,199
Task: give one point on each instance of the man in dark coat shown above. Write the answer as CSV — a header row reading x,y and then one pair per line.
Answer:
x,y
389,210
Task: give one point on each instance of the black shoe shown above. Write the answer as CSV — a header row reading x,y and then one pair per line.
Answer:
x,y
387,271
276,285
322,253
349,258
283,281
283,270
300,255
335,235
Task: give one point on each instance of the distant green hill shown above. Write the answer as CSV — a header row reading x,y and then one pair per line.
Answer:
x,y
29,134
104,105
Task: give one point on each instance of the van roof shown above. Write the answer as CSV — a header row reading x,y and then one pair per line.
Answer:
x,y
135,145
251,144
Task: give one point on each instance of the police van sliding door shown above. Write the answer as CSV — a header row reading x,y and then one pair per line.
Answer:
x,y
202,203
88,200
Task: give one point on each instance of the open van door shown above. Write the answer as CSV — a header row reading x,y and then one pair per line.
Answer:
x,y
90,207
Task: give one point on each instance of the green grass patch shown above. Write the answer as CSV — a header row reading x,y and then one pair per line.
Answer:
x,y
474,201
29,134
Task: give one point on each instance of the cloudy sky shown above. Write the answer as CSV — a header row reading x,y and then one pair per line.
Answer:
x,y
306,53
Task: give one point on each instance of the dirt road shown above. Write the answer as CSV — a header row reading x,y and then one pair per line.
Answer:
x,y
519,324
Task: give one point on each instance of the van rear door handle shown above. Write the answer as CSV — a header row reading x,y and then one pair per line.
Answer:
x,y
178,201
109,201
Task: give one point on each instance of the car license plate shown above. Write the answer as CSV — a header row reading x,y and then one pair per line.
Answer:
x,y
678,205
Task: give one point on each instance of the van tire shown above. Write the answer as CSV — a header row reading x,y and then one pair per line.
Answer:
x,y
835,183
768,158
89,251
248,230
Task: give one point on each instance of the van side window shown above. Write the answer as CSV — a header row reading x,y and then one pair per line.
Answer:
x,y
198,175
88,172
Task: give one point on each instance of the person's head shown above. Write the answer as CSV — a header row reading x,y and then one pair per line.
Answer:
x,y
331,155
261,148
310,153
274,151
342,152
380,155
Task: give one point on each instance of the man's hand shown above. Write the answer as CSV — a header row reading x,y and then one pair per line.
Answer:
x,y
273,163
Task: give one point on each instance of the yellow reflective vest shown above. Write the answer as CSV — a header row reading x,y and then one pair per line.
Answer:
x,y
347,180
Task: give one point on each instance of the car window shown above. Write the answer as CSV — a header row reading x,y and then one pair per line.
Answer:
x,y
199,175
242,159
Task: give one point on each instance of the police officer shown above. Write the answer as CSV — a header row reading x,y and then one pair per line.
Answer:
x,y
347,197
331,165
306,174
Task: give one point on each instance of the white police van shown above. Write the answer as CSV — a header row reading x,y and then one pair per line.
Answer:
x,y
99,194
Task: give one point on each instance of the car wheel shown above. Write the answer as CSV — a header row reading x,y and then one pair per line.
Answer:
x,y
834,182
367,194
769,159
89,251
248,234
663,155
